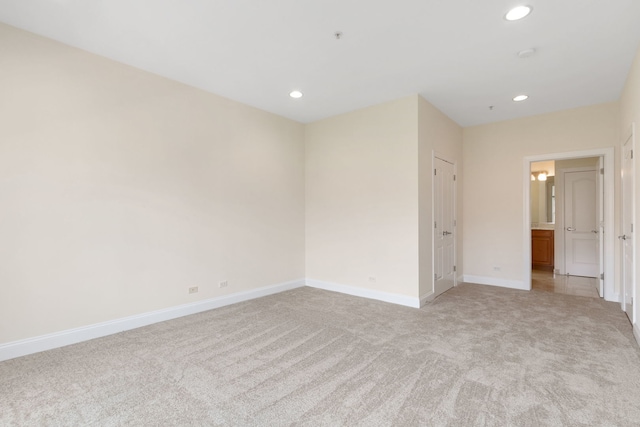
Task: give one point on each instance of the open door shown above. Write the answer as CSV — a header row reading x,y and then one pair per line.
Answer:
x,y
600,224
580,222
627,237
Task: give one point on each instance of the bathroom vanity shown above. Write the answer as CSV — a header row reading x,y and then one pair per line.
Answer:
x,y
542,249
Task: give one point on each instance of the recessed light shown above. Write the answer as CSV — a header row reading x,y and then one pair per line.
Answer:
x,y
518,12
520,98
295,94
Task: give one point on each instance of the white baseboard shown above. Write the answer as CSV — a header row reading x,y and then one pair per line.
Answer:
x,y
72,336
366,293
636,333
613,297
494,281
427,298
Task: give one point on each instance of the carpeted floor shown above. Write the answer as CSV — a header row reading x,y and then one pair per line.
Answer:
x,y
475,356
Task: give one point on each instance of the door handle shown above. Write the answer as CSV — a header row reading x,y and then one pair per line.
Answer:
x,y
623,237
571,229
446,233
594,231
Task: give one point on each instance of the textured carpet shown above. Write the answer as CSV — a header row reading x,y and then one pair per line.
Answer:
x,y
475,356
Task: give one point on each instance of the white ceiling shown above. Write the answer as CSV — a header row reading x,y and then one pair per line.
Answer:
x,y
459,54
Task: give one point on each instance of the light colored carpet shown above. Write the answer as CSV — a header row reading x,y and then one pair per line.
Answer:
x,y
475,356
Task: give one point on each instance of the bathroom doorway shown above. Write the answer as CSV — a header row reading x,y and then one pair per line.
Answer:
x,y
565,245
565,255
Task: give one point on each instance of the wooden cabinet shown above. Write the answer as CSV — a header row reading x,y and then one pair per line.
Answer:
x,y
542,250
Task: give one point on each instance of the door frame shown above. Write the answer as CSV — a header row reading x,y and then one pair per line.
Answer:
x,y
608,155
434,155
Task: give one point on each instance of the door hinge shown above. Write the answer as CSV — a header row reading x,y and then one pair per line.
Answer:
x,y
454,268
454,177
435,224
601,171
435,276
632,227
601,276
455,223
435,172
631,154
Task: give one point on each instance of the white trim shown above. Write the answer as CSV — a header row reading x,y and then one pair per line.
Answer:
x,y
609,237
493,281
427,298
365,293
72,336
636,333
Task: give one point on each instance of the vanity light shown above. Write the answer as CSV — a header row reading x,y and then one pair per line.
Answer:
x,y
295,94
518,12
520,98
540,176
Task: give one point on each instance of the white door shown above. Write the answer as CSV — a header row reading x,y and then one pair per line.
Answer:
x,y
444,226
581,228
627,229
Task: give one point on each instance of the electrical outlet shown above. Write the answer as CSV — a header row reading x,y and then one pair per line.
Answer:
x,y
223,284
193,290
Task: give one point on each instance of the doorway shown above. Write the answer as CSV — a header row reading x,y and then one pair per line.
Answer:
x,y
604,282
565,234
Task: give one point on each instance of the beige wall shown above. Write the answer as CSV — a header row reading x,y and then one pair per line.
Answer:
x,y
493,188
440,135
362,198
368,195
576,163
120,190
630,113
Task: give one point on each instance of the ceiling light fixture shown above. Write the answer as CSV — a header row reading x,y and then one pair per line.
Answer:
x,y
518,12
295,94
520,98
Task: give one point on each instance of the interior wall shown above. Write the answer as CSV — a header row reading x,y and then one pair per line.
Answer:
x,y
538,205
576,163
630,114
362,198
438,134
121,189
493,188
